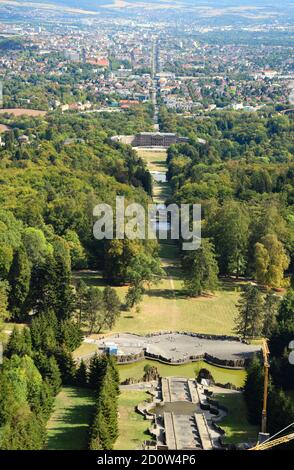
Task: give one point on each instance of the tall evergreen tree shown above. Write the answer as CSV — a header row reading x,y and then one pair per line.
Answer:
x,y
286,310
80,299
280,410
43,286
70,335
104,430
253,390
97,370
49,370
24,432
82,375
99,431
4,314
271,305
19,281
66,366
20,343
249,321
44,332
283,332
45,403
64,296
51,287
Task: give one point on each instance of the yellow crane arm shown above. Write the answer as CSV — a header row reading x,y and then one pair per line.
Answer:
x,y
266,365
274,443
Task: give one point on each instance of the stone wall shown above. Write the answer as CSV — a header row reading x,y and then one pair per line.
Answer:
x,y
237,364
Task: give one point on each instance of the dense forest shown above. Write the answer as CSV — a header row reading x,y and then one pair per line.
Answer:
x,y
55,169
49,186
281,386
239,167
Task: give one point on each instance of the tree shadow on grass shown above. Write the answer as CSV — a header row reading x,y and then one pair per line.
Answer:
x,y
71,427
158,163
231,285
91,278
165,293
174,272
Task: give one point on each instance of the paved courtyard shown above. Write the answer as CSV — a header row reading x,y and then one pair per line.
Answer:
x,y
177,347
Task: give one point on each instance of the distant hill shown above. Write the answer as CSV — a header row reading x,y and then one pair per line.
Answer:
x,y
95,5
79,4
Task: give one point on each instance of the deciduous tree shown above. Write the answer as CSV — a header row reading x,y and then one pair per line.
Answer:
x,y
271,261
200,270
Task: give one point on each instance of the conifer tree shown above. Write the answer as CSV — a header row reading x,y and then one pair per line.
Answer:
x,y
104,430
4,314
99,439
70,335
253,390
66,366
64,297
97,370
82,375
45,402
112,306
19,280
249,321
43,286
271,305
44,331
49,370
80,299
20,342
24,432
281,410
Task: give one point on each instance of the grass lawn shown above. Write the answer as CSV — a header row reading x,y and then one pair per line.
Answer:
x,y
235,424
84,349
132,426
164,308
161,192
220,375
156,161
68,426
